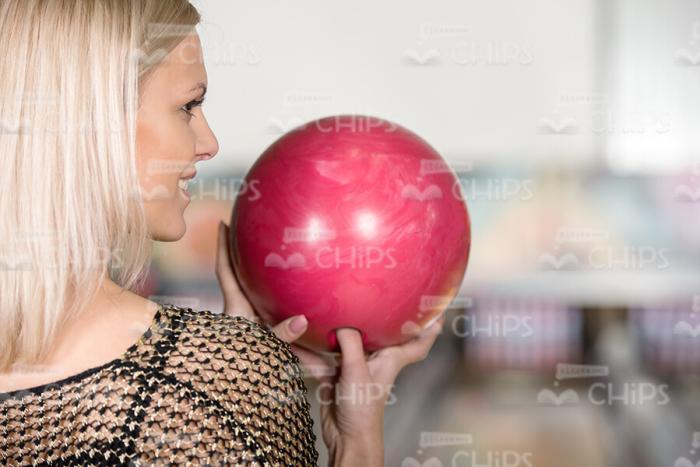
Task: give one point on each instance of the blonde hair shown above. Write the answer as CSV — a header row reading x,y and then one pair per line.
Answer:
x,y
69,194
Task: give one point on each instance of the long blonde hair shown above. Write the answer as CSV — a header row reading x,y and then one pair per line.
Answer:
x,y
70,74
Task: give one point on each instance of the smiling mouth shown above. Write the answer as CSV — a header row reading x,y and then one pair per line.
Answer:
x,y
184,182
183,185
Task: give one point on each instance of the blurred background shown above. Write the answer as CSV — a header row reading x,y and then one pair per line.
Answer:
x,y
575,339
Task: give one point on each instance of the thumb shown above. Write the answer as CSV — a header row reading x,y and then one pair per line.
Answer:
x,y
353,360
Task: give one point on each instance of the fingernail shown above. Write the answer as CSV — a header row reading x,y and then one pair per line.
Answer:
x,y
298,324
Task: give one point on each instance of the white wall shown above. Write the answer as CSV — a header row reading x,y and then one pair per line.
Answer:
x,y
652,68
497,86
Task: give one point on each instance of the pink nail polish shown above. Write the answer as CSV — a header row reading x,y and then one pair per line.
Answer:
x,y
298,323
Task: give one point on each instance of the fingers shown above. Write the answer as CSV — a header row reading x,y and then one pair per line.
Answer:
x,y
353,363
418,348
391,360
291,329
235,301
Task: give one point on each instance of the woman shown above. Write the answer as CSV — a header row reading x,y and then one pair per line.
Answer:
x,y
101,128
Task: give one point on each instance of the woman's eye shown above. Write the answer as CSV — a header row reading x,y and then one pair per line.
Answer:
x,y
187,108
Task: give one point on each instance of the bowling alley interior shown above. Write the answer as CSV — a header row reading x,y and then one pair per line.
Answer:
x,y
571,128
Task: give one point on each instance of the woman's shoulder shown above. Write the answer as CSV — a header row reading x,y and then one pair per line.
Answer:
x,y
244,369
190,341
204,331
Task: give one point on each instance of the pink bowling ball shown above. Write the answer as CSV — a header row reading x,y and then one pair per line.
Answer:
x,y
353,221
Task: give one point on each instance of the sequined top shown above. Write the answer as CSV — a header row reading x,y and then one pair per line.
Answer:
x,y
198,388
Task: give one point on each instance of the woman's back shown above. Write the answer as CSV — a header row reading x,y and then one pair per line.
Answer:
x,y
198,386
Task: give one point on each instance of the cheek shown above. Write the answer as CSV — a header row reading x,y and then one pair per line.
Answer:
x,y
164,147
145,139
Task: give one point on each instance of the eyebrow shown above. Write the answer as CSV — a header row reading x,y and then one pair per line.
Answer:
x,y
201,86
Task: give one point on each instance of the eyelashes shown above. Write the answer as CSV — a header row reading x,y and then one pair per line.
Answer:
x,y
187,108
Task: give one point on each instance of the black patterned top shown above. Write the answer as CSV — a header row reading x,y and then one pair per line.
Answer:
x,y
198,388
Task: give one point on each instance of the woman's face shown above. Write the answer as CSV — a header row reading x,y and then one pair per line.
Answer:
x,y
171,136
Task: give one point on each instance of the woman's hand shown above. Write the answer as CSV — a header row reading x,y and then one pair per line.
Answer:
x,y
353,399
236,303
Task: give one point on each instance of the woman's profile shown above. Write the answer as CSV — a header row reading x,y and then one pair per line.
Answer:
x,y
101,127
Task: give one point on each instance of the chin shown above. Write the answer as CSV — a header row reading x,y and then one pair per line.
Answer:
x,y
171,231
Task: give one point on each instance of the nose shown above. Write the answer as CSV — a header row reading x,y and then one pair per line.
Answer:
x,y
207,145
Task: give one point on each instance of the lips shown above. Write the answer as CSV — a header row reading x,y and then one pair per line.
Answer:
x,y
183,183
189,175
